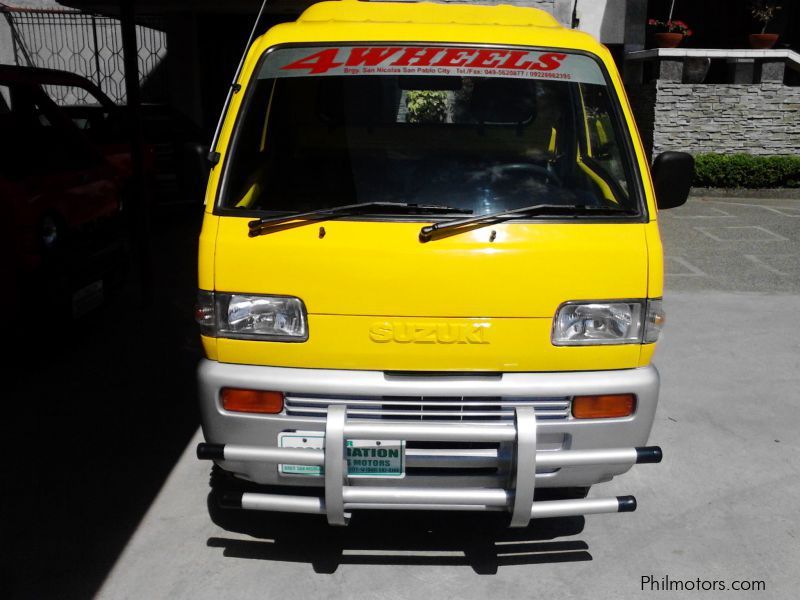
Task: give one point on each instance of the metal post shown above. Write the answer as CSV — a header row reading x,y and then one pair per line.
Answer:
x,y
335,465
96,52
13,40
16,40
140,217
524,466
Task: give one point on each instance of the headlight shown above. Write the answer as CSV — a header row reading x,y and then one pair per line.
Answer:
x,y
247,316
586,324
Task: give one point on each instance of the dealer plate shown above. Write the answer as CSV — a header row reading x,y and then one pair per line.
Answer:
x,y
87,298
365,458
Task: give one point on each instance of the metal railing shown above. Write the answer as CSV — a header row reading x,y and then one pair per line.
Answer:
x,y
89,45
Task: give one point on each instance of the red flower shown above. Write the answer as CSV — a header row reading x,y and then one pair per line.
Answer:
x,y
674,26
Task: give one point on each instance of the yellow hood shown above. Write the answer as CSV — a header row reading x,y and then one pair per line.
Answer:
x,y
379,299
382,269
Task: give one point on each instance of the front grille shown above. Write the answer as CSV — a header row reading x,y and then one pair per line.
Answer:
x,y
426,408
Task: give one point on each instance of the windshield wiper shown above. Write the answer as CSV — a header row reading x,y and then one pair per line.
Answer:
x,y
266,224
427,233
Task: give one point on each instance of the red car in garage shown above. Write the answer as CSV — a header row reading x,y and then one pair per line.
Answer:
x,y
89,108
62,236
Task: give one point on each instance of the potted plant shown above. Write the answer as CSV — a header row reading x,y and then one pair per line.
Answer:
x,y
763,12
670,33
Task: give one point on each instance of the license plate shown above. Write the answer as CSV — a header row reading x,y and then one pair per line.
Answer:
x,y
87,298
365,458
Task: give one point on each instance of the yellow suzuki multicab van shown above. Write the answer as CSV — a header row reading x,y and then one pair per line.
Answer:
x,y
430,269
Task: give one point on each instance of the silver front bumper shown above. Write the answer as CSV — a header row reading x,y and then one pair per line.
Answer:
x,y
562,452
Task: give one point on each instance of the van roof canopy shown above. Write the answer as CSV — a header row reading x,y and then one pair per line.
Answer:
x,y
428,13
395,22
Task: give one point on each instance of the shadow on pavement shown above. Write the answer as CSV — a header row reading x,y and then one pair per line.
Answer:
x,y
96,416
481,541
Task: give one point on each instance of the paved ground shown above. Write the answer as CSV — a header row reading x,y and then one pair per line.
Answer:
x,y
722,506
736,245
97,415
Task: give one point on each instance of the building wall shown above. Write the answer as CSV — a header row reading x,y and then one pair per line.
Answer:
x,y
557,8
548,5
604,19
760,118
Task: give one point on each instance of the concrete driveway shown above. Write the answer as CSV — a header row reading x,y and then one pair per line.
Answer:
x,y
737,245
721,507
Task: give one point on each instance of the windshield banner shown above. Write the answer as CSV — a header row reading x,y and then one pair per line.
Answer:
x,y
431,60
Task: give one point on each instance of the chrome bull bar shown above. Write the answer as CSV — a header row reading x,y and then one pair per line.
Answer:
x,y
340,498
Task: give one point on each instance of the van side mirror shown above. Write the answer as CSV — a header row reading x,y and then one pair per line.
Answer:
x,y
672,178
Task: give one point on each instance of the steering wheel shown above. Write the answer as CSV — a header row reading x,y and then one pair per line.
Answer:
x,y
531,168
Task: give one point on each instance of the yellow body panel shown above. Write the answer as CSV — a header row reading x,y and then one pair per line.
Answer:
x,y
365,273
425,344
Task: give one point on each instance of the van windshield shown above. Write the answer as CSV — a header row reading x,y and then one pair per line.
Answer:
x,y
482,130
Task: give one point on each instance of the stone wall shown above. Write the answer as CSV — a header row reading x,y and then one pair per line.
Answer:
x,y
759,118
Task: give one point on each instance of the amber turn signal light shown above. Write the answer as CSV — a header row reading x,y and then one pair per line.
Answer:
x,y
252,401
607,406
